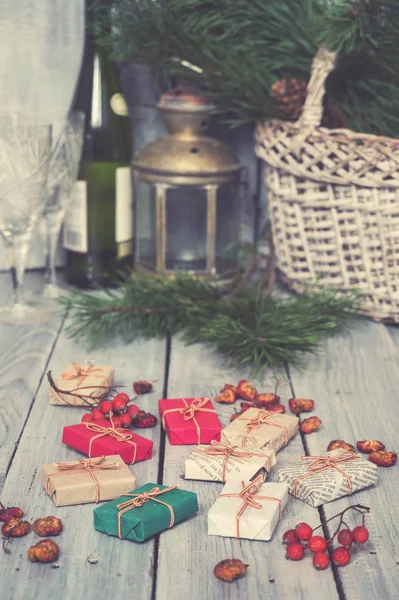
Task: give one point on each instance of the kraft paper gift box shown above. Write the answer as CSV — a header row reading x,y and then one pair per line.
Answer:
x,y
148,510
91,381
259,428
249,510
222,462
99,438
320,479
87,480
190,420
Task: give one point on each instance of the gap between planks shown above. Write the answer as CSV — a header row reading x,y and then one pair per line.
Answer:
x,y
354,381
187,554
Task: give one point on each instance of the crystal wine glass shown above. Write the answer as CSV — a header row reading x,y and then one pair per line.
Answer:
x,y
63,171
25,150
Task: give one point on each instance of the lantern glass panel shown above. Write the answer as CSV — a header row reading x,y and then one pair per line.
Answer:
x,y
186,227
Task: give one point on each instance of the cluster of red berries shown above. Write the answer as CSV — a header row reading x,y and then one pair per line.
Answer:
x,y
302,537
120,412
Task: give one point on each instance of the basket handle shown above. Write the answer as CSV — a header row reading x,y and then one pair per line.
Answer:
x,y
312,112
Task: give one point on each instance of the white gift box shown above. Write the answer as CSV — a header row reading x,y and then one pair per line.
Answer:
x,y
257,428
320,479
222,462
248,510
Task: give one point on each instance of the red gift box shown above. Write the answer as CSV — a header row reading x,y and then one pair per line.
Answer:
x,y
100,439
190,420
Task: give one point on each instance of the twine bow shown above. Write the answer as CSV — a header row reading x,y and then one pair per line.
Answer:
x,y
137,500
82,466
79,372
189,411
118,434
263,417
322,463
223,450
249,495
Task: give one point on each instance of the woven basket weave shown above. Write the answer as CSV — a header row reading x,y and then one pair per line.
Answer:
x,y
333,203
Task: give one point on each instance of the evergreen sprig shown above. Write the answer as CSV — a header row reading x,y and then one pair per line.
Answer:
x,y
239,48
249,329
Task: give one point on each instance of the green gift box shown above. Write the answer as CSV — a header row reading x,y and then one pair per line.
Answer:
x,y
145,511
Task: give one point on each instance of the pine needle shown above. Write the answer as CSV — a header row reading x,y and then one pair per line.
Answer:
x,y
249,329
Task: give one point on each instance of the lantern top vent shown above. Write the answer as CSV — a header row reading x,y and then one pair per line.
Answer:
x,y
187,156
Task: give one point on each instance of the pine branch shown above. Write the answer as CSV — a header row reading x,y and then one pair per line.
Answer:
x,y
249,329
269,40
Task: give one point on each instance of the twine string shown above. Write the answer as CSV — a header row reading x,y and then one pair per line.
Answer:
x,y
137,500
224,450
250,497
82,466
189,411
118,434
263,417
80,373
322,463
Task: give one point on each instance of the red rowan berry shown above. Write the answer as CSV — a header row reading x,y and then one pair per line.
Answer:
x,y
87,418
345,537
295,551
317,544
290,537
321,560
360,534
126,420
303,531
341,556
105,406
97,414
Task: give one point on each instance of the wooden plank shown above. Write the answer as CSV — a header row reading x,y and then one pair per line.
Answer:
x,y
354,382
122,565
23,355
187,554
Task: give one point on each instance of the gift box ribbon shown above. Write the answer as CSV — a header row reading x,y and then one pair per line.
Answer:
x,y
118,434
82,466
322,463
81,373
225,451
188,412
138,500
263,418
249,495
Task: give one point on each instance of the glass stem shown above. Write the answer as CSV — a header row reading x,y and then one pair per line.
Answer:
x,y
53,226
19,244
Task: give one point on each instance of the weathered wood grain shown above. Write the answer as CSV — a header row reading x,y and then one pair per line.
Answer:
x,y
122,567
24,351
354,382
187,554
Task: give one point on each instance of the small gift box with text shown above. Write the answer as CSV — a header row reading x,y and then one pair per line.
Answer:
x,y
320,479
222,462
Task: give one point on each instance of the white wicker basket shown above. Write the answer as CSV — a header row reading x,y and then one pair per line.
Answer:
x,y
333,203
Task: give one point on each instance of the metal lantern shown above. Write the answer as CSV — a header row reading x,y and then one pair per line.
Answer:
x,y
194,185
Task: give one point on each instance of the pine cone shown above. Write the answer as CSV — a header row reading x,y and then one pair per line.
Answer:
x,y
289,95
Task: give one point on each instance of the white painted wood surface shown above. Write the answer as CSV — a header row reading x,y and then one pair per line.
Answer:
x,y
187,554
354,382
24,353
123,567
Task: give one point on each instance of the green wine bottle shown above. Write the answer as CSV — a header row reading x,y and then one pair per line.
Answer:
x,y
98,226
